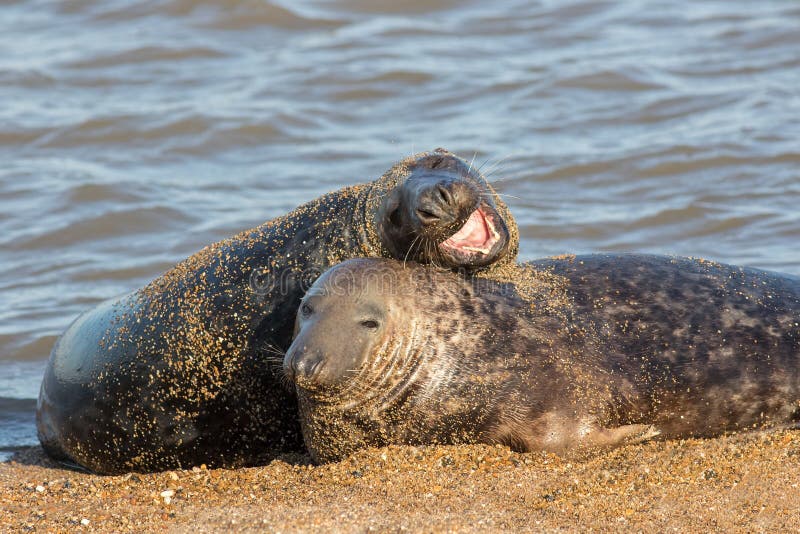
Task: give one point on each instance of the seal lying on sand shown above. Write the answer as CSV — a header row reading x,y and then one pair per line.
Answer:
x,y
611,350
183,371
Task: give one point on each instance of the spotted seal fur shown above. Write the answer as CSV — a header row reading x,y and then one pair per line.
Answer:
x,y
612,350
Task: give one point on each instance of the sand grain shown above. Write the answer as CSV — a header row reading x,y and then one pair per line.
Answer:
x,y
738,483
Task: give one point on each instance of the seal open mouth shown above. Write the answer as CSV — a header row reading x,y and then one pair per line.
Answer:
x,y
477,236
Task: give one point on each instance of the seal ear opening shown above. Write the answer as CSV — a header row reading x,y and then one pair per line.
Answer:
x,y
391,206
394,216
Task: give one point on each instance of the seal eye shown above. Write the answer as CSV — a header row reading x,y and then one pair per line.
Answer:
x,y
306,310
369,323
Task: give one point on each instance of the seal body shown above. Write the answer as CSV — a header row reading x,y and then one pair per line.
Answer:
x,y
187,369
582,353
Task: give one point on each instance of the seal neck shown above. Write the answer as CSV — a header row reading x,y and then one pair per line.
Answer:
x,y
369,201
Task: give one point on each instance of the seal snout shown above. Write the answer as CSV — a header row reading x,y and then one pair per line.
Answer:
x,y
442,203
444,212
300,366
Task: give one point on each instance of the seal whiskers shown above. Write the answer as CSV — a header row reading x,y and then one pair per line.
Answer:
x,y
407,374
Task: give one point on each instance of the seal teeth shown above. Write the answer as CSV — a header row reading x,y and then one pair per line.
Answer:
x,y
492,229
475,249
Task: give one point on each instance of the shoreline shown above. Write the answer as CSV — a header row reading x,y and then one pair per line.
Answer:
x,y
742,482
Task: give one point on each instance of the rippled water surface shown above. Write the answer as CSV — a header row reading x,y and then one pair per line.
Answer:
x,y
134,133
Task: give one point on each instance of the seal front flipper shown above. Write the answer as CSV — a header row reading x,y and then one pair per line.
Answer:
x,y
564,434
610,438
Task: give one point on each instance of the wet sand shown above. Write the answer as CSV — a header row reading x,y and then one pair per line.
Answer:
x,y
747,482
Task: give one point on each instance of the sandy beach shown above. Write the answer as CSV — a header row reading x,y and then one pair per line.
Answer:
x,y
743,483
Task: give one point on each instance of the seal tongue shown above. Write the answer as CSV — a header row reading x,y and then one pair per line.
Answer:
x,y
473,233
474,236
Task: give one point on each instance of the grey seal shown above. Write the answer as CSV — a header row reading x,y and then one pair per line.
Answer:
x,y
580,354
182,372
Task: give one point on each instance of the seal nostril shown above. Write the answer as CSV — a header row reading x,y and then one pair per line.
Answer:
x,y
426,217
305,366
290,367
445,196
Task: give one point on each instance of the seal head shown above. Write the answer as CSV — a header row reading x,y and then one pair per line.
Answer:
x,y
346,328
443,211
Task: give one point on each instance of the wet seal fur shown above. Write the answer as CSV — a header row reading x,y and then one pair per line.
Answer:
x,y
632,347
186,370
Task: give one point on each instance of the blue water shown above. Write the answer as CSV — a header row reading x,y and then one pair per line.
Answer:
x,y
134,133
20,381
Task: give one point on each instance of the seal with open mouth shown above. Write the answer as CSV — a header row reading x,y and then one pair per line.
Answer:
x,y
445,215
642,346
183,371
